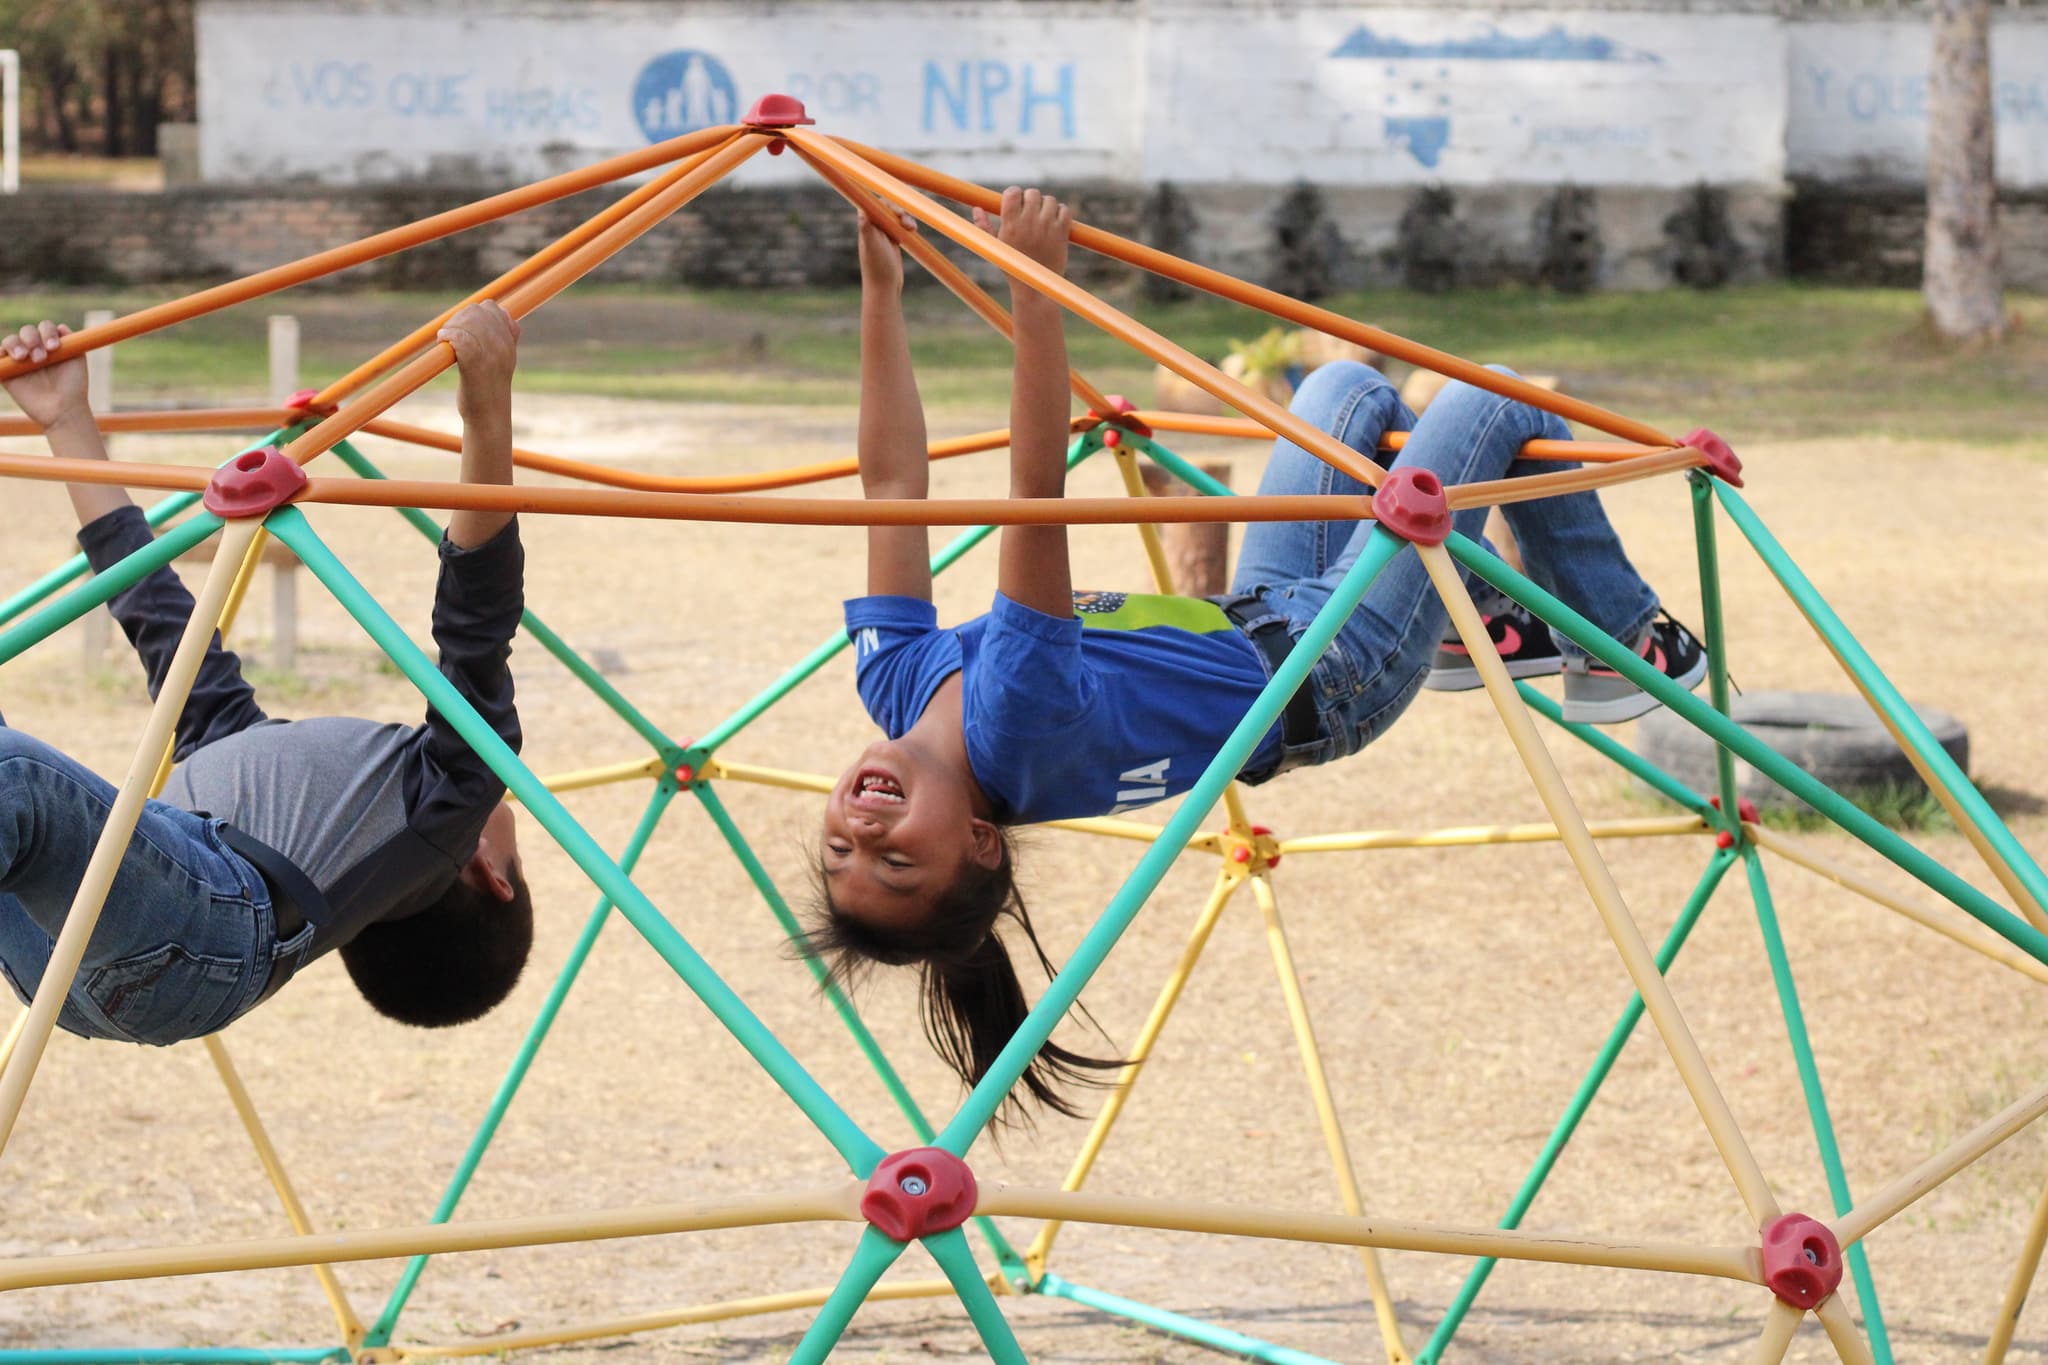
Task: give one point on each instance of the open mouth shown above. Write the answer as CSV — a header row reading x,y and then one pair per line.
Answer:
x,y
877,786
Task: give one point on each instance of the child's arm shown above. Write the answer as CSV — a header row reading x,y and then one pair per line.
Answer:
x,y
893,459
486,342
153,612
1032,569
54,398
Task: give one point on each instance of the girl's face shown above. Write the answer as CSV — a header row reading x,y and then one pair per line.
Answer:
x,y
899,830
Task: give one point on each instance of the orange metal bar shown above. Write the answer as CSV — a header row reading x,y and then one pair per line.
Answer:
x,y
1079,301
178,478
948,274
613,477
379,244
554,251
1495,492
1244,428
529,296
1266,300
180,419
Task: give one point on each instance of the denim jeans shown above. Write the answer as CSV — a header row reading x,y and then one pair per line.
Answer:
x,y
1374,667
186,941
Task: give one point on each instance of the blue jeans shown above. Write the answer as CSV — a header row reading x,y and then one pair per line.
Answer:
x,y
186,941
1382,652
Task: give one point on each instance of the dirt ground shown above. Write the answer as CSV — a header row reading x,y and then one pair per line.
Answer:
x,y
1458,994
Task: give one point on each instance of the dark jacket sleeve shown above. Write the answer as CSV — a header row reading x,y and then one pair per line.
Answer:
x,y
153,614
477,605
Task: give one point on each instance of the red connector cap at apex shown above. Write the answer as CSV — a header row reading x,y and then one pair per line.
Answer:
x,y
302,401
1722,462
1411,504
918,1192
1802,1259
1745,809
1119,415
777,111
253,483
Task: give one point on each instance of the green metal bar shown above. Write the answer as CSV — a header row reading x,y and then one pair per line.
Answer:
x,y
1816,1098
1623,756
874,1255
860,1151
75,567
1894,707
1729,817
1781,770
522,1062
1012,1263
1188,474
1582,1099
987,1096
100,587
1192,1329
534,626
949,1249
1085,445
173,1355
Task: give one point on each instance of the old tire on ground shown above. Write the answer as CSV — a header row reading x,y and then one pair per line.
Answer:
x,y
1837,739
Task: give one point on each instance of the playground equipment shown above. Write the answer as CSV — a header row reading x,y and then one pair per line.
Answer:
x,y
929,1194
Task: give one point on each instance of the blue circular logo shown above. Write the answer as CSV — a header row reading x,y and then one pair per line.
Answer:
x,y
682,91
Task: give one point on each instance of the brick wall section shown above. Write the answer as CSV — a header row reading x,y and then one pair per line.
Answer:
x,y
1875,233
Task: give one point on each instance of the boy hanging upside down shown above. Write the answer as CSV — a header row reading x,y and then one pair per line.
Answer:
x,y
278,841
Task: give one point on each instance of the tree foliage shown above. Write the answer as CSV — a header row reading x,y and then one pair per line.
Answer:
x,y
98,76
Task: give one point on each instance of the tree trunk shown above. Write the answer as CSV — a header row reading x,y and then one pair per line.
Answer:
x,y
1961,280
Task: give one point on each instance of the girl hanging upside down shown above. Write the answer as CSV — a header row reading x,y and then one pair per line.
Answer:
x,y
1059,704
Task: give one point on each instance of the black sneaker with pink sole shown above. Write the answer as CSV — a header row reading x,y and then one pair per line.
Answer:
x,y
1595,694
1523,642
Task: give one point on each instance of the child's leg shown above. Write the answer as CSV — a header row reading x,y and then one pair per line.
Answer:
x,y
1355,404
184,943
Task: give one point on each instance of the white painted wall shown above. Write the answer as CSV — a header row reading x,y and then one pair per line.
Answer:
x,y
1859,98
1189,90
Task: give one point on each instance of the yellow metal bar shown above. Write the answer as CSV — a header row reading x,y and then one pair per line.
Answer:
x,y
84,913
1967,932
1337,1229
1457,836
1833,1313
2022,1281
1621,927
839,1203
680,1317
1894,1198
581,778
2007,878
1155,550
337,1298
13,1035
1326,1113
719,768
1780,1325
1141,1049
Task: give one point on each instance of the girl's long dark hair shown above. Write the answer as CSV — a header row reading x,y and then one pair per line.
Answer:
x,y
969,996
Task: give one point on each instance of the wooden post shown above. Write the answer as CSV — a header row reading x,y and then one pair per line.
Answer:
x,y
1198,553
284,356
94,626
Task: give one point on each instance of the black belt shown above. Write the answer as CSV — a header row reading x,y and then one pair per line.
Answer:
x,y
294,900
1264,628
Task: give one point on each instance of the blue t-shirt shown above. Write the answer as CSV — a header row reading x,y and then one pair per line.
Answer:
x,y
1123,704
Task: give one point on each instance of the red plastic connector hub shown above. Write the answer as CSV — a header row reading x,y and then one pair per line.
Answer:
x,y
1802,1259
1722,462
1119,414
1112,438
302,401
1724,840
1745,809
777,111
253,483
918,1192
1411,504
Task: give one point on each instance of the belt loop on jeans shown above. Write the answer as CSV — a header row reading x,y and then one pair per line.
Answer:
x,y
1267,629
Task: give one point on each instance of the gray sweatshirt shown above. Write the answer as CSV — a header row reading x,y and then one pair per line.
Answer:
x,y
380,817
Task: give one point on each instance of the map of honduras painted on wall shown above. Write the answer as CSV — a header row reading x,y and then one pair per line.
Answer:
x,y
1418,101
682,91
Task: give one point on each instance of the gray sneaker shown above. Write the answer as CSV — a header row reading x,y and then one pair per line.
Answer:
x,y
1595,694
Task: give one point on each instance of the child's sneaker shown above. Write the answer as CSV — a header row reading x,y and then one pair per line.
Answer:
x,y
1595,694
1524,644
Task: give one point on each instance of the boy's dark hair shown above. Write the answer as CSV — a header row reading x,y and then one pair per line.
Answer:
x,y
452,962
969,996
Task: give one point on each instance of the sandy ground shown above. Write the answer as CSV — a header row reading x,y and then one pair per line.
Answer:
x,y
1459,995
